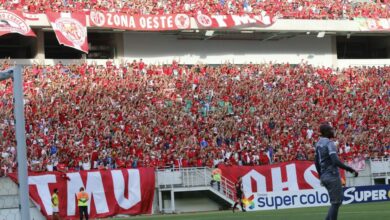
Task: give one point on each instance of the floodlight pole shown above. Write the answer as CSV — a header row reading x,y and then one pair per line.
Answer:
x,y
16,74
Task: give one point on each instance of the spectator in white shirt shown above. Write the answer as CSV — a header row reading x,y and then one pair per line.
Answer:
x,y
86,164
309,132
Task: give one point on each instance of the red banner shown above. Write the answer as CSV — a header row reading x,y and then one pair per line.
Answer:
x,y
175,21
139,22
13,22
289,176
70,29
111,192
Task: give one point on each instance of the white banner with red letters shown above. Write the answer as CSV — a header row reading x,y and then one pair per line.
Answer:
x,y
13,22
229,21
288,176
70,29
123,21
371,24
31,16
111,192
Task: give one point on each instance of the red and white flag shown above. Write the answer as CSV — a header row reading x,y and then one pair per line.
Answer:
x,y
70,29
31,16
13,22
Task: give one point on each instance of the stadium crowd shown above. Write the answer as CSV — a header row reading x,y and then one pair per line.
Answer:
x,y
82,117
289,9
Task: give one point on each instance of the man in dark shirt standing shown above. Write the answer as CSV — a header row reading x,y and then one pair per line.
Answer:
x,y
239,194
327,165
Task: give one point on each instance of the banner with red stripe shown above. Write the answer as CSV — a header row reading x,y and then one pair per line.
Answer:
x,y
167,22
70,29
13,22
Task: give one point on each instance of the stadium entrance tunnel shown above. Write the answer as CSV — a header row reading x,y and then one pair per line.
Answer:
x,y
16,46
363,47
193,201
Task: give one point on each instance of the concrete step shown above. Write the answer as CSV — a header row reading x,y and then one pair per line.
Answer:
x,y
7,187
11,202
220,194
13,214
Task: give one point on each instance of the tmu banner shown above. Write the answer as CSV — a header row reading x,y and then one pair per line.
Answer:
x,y
70,29
111,192
289,176
13,22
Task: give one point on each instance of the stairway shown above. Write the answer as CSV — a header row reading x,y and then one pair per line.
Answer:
x,y
192,179
226,190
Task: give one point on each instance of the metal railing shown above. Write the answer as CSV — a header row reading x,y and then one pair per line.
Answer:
x,y
193,177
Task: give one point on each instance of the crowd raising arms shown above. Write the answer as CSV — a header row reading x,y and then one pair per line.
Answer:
x,y
82,117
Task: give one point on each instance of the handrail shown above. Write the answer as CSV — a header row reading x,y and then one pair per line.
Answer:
x,y
179,168
228,185
193,177
380,159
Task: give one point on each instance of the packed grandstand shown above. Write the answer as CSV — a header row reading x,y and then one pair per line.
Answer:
x,y
82,117
149,103
88,116
291,9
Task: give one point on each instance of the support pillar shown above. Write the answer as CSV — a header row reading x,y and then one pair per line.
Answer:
x,y
21,144
334,51
160,201
40,47
119,47
173,201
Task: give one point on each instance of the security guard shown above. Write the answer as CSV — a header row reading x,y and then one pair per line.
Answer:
x,y
55,204
82,199
216,176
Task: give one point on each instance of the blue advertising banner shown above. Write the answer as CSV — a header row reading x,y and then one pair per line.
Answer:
x,y
361,194
315,197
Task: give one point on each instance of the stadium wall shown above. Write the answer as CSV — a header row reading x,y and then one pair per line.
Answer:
x,y
341,63
9,202
365,177
280,25
157,47
162,48
344,63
